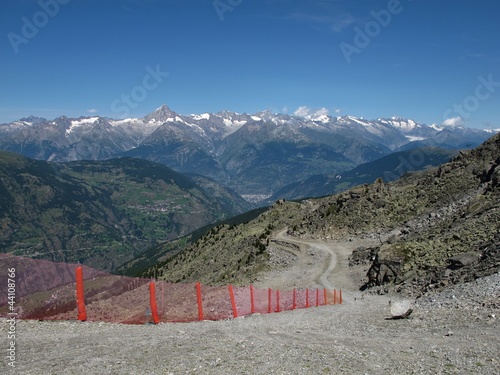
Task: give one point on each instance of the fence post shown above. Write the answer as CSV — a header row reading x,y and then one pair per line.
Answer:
x,y
198,297
162,301
80,296
278,308
269,308
233,302
307,298
294,302
252,300
152,302
324,297
334,296
340,297
317,297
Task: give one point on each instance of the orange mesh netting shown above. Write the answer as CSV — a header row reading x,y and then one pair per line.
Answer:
x,y
49,291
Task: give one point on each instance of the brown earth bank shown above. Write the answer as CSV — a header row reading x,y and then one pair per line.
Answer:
x,y
455,331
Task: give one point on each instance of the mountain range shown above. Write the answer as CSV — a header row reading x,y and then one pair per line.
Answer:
x,y
95,199
254,155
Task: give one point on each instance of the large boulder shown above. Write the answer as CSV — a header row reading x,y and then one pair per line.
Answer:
x,y
387,265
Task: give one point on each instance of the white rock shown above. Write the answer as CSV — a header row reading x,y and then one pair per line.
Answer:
x,y
401,309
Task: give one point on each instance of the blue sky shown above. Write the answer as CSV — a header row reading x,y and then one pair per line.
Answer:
x,y
432,61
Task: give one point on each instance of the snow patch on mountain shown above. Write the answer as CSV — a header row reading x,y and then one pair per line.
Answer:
x,y
436,127
126,121
228,122
414,138
405,125
363,122
81,122
319,118
204,116
21,123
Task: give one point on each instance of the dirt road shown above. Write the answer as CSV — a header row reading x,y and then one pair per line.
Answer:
x,y
316,263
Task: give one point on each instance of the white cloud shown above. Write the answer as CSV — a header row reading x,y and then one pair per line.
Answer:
x,y
285,109
302,111
454,121
310,114
321,112
92,110
338,110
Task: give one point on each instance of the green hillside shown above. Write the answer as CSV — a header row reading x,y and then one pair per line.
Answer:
x,y
99,213
389,168
434,215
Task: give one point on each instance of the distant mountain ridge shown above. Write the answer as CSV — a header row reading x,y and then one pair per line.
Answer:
x,y
389,168
253,154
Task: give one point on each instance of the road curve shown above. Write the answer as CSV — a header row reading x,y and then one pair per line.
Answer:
x,y
306,246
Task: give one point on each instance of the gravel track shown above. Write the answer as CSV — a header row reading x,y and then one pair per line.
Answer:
x,y
454,332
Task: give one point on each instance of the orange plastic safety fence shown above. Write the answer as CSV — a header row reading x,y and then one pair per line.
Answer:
x,y
46,291
152,302
80,295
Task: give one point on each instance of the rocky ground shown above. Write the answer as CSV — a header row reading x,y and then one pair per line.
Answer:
x,y
455,331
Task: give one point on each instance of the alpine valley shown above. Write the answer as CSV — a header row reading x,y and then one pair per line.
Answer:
x,y
102,213
254,155
110,193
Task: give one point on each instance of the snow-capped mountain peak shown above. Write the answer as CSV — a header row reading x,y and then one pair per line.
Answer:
x,y
160,115
403,124
32,120
82,121
319,117
265,115
351,120
203,116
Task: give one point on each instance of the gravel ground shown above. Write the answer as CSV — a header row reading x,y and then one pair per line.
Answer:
x,y
453,332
